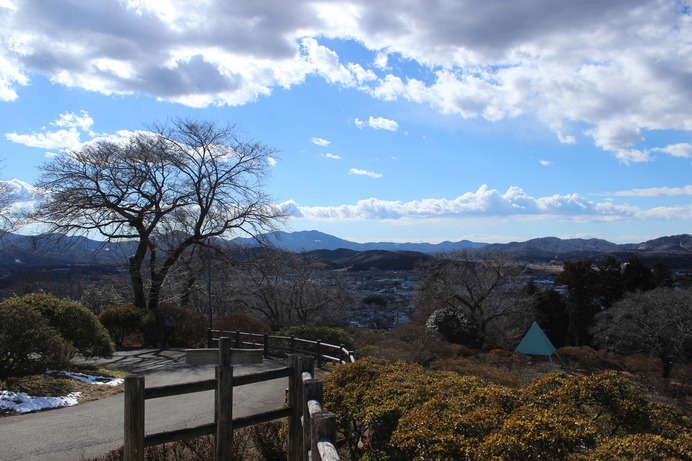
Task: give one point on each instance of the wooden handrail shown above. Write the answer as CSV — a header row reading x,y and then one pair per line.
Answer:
x,y
311,430
343,355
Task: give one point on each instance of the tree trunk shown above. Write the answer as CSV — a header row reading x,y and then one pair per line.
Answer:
x,y
135,269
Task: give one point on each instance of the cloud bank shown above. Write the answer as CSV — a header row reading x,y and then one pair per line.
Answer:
x,y
613,71
486,202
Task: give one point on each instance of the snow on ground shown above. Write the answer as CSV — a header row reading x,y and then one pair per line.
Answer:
x,y
23,403
107,381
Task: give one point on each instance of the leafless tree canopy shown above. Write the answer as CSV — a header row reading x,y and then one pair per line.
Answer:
x,y
657,323
478,286
287,289
169,189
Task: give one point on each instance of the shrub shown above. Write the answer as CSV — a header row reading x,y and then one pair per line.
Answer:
x,y
189,329
400,411
241,322
74,322
269,441
121,321
539,434
27,343
640,446
329,335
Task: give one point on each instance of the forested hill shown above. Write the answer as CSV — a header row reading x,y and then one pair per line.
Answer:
x,y
47,250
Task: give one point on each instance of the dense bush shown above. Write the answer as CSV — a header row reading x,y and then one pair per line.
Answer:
x,y
410,342
121,321
329,335
402,411
74,322
241,322
27,343
189,327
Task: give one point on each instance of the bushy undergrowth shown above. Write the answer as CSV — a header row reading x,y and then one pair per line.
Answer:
x,y
399,411
74,322
189,327
121,321
28,343
256,443
40,331
241,322
329,335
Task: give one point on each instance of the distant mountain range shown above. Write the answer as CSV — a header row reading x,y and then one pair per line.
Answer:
x,y
18,251
315,240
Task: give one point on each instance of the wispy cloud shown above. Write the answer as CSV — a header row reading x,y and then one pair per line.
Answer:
x,y
357,172
332,156
655,192
378,123
491,203
676,150
320,142
71,129
545,163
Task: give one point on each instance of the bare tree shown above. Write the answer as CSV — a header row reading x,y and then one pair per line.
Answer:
x,y
656,322
467,291
287,289
6,221
188,181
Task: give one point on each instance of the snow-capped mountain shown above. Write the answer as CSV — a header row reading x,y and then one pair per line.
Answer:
x,y
19,195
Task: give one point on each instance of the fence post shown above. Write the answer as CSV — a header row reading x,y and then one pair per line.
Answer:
x,y
312,390
319,353
266,346
293,344
323,429
210,338
299,364
224,403
237,338
134,418
341,353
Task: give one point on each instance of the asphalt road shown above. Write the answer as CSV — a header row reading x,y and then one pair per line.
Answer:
x,y
91,429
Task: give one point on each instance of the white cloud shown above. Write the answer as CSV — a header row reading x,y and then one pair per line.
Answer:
x,y
272,161
676,150
491,203
655,192
73,126
332,156
320,142
620,68
357,172
378,123
545,162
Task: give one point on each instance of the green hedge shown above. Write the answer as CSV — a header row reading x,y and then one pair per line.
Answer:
x,y
121,321
28,343
329,335
74,322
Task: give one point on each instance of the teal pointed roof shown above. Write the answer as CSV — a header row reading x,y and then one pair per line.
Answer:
x,y
535,342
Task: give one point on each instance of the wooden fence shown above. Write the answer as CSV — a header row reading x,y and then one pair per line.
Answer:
x,y
284,345
311,431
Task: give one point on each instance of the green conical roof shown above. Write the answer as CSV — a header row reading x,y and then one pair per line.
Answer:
x,y
535,342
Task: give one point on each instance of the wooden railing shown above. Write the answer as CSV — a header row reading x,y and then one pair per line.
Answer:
x,y
284,345
311,431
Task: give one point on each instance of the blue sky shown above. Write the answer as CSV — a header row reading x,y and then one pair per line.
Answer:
x,y
396,120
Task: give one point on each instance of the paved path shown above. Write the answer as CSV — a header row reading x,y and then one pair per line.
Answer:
x,y
91,429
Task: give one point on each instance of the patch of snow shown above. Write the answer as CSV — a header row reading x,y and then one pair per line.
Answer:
x,y
103,380
23,403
